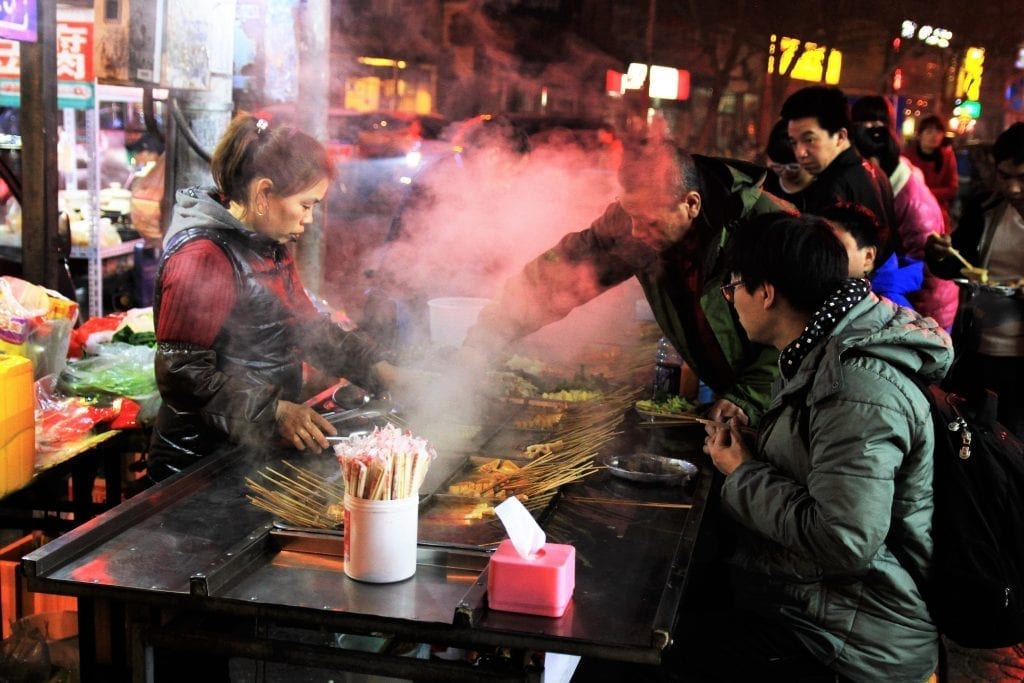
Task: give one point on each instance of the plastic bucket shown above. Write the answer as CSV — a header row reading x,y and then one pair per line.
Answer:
x,y
380,538
451,318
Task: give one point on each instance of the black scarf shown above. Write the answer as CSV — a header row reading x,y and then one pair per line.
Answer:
x,y
822,322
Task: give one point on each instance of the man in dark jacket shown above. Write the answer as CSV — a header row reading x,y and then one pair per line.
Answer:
x,y
990,328
819,126
667,230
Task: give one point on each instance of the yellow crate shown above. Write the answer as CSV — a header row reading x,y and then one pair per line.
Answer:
x,y
17,459
17,422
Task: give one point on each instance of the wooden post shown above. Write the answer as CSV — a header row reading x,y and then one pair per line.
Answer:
x,y
39,245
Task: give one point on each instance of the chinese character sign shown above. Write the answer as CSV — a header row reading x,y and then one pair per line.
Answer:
x,y
10,59
74,52
18,20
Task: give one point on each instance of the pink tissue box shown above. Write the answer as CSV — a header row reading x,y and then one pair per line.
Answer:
x,y
540,585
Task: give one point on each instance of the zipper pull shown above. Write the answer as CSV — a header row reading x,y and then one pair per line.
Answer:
x,y
960,425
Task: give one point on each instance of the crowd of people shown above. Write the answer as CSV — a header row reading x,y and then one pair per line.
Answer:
x,y
801,292
835,289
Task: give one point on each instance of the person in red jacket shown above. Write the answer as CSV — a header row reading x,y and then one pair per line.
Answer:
x,y
233,321
932,153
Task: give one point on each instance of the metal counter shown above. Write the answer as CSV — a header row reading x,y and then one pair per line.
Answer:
x,y
162,567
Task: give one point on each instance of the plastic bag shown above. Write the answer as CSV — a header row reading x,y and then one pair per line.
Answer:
x,y
118,369
62,419
36,323
25,656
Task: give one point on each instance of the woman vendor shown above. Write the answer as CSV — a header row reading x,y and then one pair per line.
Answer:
x,y
233,321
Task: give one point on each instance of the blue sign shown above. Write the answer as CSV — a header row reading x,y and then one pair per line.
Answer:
x,y
18,20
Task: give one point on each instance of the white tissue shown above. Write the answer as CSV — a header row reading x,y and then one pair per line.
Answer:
x,y
526,535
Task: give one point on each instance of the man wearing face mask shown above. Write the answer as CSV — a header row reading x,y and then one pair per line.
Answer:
x,y
667,230
918,213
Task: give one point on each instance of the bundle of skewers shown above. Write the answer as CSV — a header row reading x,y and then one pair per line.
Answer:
x,y
387,464
571,455
297,496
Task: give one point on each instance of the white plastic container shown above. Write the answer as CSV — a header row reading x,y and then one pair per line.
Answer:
x,y
451,318
380,538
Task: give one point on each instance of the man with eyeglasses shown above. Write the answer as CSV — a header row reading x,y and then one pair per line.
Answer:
x,y
667,229
832,504
819,126
989,330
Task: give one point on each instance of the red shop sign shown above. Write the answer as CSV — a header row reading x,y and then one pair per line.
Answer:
x,y
74,53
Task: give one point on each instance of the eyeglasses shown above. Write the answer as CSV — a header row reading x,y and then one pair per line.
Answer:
x,y
729,290
785,168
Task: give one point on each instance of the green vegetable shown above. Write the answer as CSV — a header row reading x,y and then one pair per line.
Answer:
x,y
673,404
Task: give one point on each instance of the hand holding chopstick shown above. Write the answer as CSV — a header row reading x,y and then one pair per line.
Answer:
x,y
718,424
943,243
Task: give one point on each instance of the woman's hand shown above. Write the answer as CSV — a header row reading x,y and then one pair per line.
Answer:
x,y
724,443
303,427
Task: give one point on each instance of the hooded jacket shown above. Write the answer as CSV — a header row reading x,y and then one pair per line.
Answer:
x,y
918,215
681,283
228,393
898,278
839,504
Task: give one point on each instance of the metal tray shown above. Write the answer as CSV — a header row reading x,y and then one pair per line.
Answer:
x,y
991,288
649,468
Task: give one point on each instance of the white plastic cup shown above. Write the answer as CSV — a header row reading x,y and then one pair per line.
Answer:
x,y
380,538
451,317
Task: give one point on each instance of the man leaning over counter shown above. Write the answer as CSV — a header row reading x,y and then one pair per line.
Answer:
x,y
668,230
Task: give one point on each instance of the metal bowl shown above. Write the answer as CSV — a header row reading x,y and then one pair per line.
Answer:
x,y
651,468
992,288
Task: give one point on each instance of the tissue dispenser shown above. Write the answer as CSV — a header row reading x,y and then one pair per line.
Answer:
x,y
540,585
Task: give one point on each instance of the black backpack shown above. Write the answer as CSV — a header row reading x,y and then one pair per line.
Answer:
x,y
975,591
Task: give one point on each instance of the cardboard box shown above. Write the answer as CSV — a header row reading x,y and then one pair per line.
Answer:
x,y
54,625
16,601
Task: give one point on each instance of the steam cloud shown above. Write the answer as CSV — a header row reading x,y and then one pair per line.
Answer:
x,y
482,215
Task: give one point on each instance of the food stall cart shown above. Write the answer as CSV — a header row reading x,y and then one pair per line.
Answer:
x,y
191,566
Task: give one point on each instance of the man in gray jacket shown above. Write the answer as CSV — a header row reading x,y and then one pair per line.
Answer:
x,y
833,503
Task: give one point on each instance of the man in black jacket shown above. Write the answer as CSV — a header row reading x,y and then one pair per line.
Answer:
x,y
990,324
818,122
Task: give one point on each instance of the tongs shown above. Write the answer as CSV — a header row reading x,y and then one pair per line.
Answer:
x,y
382,409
